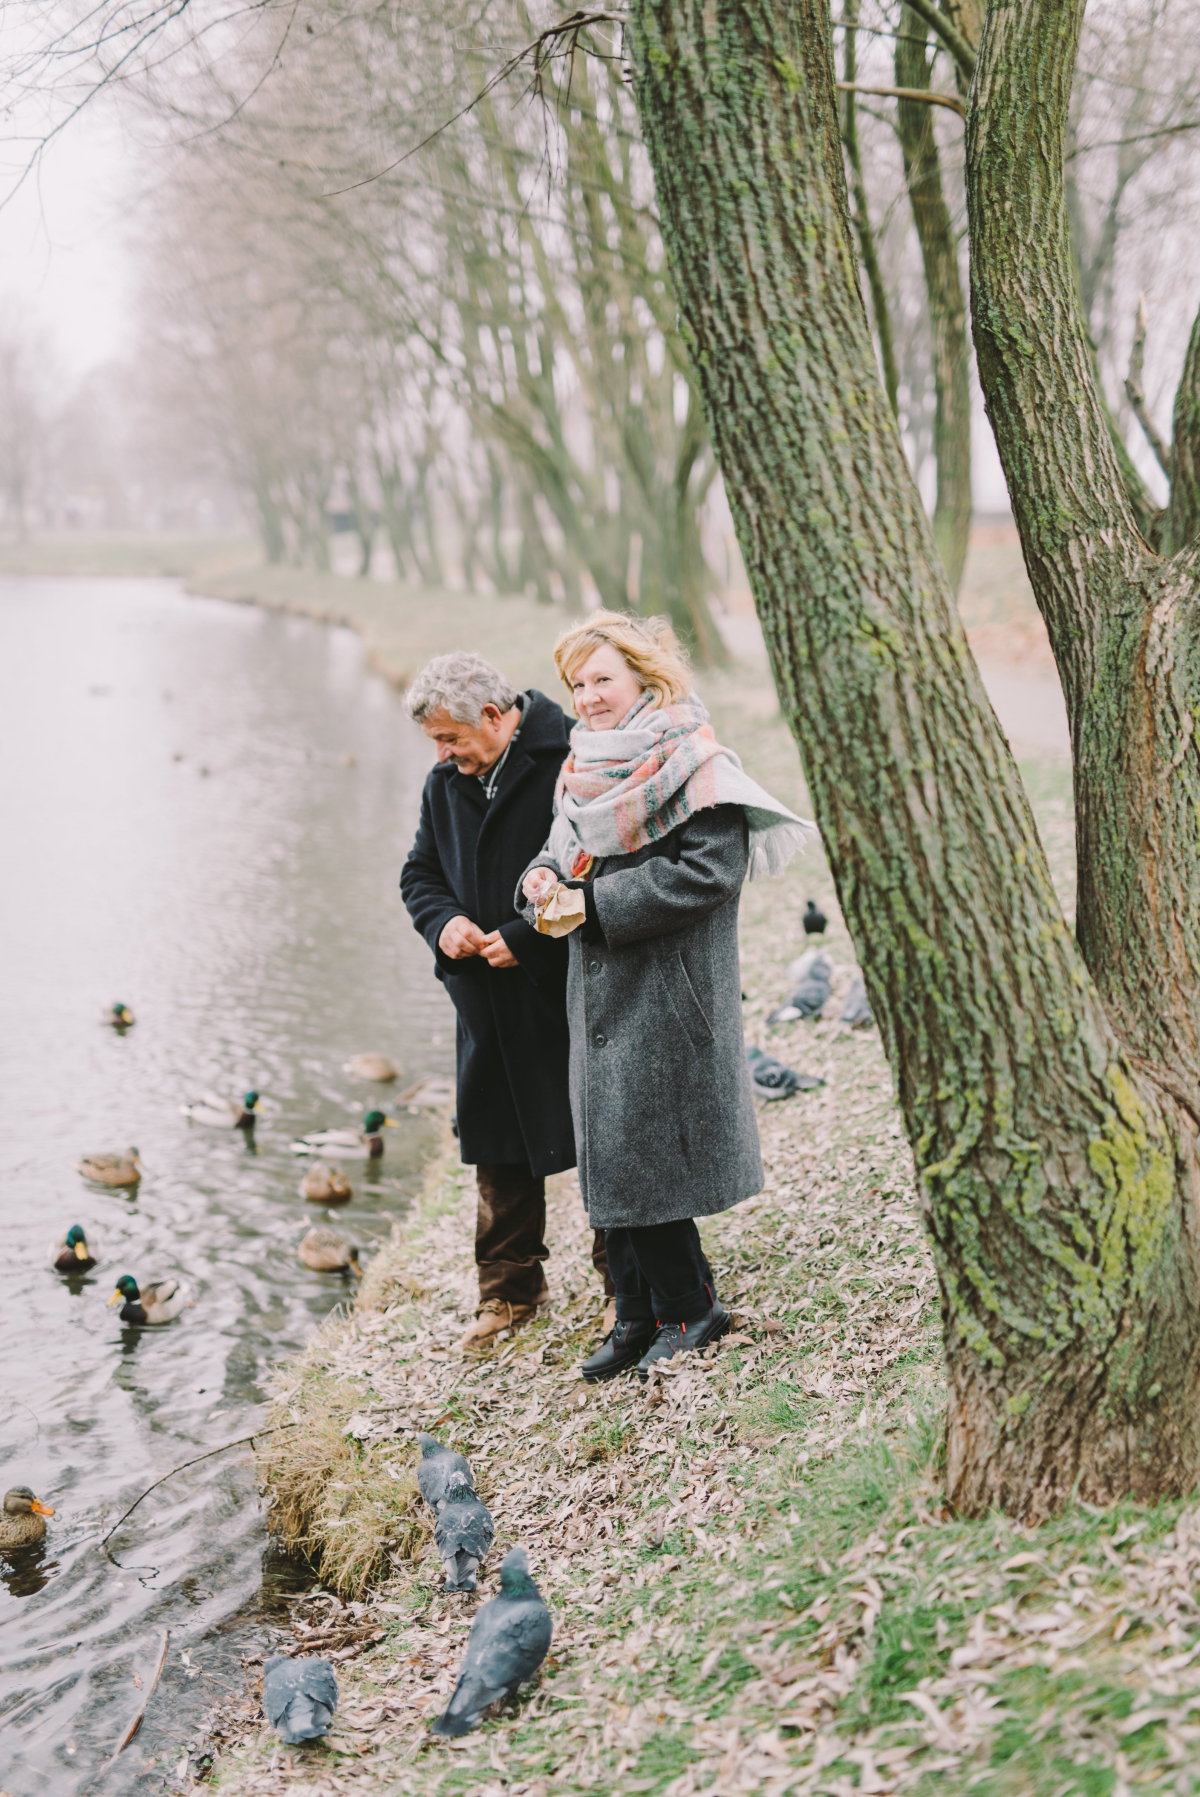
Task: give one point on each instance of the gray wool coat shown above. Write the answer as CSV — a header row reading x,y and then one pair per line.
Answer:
x,y
660,1091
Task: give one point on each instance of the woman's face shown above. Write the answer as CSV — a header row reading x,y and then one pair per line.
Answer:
x,y
604,687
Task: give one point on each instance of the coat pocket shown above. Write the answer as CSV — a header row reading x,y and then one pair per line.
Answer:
x,y
681,995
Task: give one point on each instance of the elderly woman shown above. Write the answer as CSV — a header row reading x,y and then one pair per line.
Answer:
x,y
656,828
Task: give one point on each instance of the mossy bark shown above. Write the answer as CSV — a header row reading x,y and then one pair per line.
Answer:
x,y
1185,449
947,307
1056,1173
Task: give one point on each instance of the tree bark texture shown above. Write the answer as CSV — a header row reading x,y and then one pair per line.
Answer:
x,y
868,249
1185,449
1120,618
947,307
1055,1186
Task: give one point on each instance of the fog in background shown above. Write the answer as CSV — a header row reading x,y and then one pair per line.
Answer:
x,y
223,306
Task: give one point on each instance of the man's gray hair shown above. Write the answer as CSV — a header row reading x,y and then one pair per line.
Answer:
x,y
461,684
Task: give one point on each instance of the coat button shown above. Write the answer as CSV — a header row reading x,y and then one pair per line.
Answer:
x,y
600,1040
593,966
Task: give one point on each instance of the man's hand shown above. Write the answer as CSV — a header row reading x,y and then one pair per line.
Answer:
x,y
462,938
538,884
496,951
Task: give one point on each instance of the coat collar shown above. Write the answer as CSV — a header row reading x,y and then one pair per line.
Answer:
x,y
545,732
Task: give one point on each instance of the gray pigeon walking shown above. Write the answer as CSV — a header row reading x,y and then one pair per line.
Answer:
x,y
299,1697
857,1010
771,1079
463,1532
438,1469
813,974
509,1639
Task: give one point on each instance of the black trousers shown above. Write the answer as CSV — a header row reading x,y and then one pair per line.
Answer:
x,y
510,1234
661,1273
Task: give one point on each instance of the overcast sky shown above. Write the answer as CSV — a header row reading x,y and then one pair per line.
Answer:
x,y
64,254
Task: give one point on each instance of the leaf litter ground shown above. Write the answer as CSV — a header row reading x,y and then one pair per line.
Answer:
x,y
754,1581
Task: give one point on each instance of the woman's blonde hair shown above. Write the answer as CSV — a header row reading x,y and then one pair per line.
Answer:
x,y
648,645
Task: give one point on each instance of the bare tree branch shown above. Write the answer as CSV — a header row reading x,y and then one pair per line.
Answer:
x,y
925,96
1135,393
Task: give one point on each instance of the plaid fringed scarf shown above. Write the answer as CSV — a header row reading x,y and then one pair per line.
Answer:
x,y
621,789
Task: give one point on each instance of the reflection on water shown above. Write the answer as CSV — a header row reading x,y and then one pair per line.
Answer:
x,y
204,810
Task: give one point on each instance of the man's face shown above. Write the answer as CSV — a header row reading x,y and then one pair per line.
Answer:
x,y
471,747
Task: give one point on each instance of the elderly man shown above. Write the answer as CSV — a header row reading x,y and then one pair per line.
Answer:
x,y
485,813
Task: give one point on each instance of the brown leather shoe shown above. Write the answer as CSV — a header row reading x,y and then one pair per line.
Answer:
x,y
493,1316
608,1321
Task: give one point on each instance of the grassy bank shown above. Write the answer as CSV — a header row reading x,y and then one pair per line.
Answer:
x,y
755,1584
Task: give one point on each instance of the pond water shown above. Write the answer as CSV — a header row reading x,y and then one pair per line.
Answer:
x,y
204,811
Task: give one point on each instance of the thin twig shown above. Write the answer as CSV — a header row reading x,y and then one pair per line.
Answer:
x,y
925,95
545,47
127,1737
153,1686
195,1461
1140,137
1135,393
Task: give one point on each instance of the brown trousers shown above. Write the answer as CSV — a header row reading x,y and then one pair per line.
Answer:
x,y
510,1235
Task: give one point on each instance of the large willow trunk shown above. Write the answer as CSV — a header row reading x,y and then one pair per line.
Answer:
x,y
1055,1169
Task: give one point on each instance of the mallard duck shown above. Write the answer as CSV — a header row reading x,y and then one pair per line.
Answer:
x,y
349,1144
326,1184
119,1017
325,1251
112,1169
159,1303
74,1254
23,1519
429,1094
223,1113
371,1066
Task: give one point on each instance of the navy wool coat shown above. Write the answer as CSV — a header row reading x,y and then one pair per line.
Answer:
x,y
513,1042
664,1109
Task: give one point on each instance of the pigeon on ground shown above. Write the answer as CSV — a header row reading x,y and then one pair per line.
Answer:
x,y
857,1010
439,1468
814,919
814,975
463,1532
771,1079
299,1697
509,1639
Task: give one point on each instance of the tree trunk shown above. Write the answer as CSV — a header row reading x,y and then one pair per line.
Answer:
x,y
1184,515
1055,1178
947,308
867,247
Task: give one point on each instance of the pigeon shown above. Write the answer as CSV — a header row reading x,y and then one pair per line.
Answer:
x,y
463,1532
771,1079
814,975
857,1010
299,1697
509,1639
439,1468
814,920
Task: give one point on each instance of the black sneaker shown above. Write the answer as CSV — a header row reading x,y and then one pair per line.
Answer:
x,y
622,1347
680,1338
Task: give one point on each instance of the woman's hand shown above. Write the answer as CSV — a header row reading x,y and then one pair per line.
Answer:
x,y
538,884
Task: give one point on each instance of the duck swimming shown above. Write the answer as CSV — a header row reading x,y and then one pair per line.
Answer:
x,y
371,1066
74,1254
23,1518
326,1184
112,1169
119,1017
325,1251
223,1113
160,1303
349,1144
